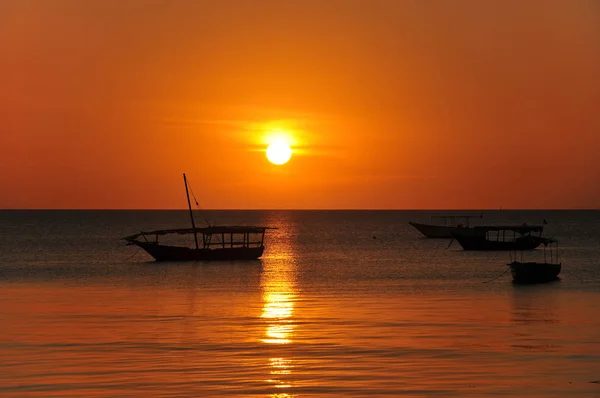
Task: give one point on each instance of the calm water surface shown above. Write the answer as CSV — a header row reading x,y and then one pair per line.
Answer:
x,y
342,303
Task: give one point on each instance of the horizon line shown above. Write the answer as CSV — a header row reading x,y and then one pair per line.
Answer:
x,y
291,209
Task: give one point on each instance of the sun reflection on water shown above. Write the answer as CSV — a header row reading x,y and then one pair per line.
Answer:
x,y
279,296
278,309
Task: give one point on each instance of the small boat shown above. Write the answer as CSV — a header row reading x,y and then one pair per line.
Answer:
x,y
537,272
209,243
445,226
518,237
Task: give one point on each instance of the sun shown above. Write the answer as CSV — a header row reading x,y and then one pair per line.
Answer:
x,y
279,152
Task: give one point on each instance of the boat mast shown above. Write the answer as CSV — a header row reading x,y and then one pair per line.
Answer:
x,y
190,207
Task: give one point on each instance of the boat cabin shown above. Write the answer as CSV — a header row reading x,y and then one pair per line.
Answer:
x,y
507,233
453,220
549,250
212,237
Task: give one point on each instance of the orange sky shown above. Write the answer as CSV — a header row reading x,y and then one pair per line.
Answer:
x,y
391,104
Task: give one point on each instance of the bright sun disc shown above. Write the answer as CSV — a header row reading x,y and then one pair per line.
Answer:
x,y
279,152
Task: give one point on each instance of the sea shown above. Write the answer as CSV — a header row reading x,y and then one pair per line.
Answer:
x,y
341,304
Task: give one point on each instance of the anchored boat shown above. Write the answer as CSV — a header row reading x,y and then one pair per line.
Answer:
x,y
517,237
537,272
209,243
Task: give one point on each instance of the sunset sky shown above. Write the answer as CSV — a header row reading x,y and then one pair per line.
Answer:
x,y
390,104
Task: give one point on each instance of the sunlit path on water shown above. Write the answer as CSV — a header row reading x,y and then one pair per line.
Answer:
x,y
279,294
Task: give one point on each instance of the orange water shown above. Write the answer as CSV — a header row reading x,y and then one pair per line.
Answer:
x,y
329,311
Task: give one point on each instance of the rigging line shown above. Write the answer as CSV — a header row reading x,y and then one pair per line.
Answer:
x,y
194,196
138,250
493,279
198,205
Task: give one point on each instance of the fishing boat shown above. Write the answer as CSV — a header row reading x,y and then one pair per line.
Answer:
x,y
517,237
537,272
445,226
209,243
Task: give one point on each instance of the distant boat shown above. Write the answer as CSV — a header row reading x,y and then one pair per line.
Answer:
x,y
445,226
537,272
209,244
518,237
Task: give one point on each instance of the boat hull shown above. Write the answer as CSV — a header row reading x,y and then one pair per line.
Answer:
x,y
442,231
533,272
179,253
482,243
